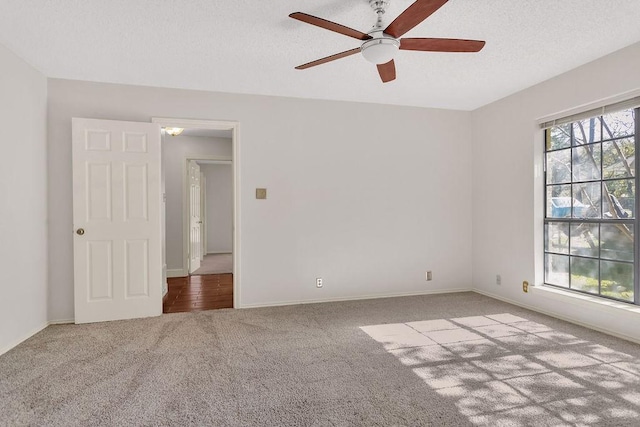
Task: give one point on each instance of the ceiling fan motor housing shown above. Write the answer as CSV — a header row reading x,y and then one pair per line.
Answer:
x,y
381,49
379,6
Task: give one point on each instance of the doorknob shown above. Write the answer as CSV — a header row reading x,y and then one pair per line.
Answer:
x,y
80,231
199,222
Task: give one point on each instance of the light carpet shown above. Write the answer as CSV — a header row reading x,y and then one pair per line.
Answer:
x,y
442,360
215,264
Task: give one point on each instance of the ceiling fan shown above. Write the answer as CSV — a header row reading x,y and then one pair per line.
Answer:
x,y
380,45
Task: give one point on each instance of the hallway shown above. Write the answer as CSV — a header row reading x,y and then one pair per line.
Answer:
x,y
197,293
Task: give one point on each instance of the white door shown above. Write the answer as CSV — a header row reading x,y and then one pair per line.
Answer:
x,y
116,218
195,219
203,216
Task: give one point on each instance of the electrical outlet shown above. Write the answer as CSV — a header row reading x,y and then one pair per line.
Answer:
x,y
429,276
319,282
525,286
498,279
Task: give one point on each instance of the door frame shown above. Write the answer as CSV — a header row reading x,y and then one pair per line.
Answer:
x,y
206,159
186,204
233,126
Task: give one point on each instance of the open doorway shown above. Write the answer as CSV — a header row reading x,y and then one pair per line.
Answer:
x,y
211,217
199,181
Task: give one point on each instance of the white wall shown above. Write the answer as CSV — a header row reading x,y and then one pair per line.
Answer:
x,y
366,196
23,200
174,152
508,187
219,207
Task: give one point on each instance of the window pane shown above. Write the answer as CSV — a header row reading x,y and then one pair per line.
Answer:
x,y
559,166
584,274
587,131
590,184
558,137
556,270
619,158
616,241
558,201
585,239
620,123
586,162
586,200
617,280
557,237
622,195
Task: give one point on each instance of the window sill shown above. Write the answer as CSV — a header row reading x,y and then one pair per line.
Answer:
x,y
575,298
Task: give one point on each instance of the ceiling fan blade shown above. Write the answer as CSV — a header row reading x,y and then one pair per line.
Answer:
x,y
328,59
412,16
441,45
387,71
331,26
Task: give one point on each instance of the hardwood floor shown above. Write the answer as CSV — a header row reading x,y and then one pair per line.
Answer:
x,y
195,293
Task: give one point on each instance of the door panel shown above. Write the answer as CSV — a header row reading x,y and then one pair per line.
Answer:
x,y
137,268
136,190
116,204
203,217
99,268
99,199
195,221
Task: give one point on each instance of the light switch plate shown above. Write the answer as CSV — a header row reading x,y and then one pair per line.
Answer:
x,y
261,193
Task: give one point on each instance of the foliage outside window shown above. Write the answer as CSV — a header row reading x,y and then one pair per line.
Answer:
x,y
590,205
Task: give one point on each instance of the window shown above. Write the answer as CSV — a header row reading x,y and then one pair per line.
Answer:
x,y
590,205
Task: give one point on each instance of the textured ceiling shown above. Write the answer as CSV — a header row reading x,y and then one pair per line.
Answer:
x,y
252,46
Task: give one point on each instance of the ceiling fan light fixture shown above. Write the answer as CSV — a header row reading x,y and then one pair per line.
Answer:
x,y
173,131
380,50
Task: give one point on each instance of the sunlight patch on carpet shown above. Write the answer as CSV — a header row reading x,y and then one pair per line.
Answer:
x,y
504,369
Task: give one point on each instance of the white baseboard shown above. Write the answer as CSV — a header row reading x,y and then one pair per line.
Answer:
x,y
61,322
561,317
366,297
220,253
28,335
177,272
355,298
